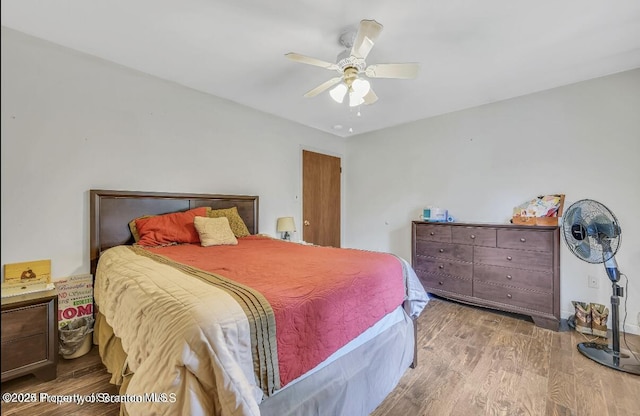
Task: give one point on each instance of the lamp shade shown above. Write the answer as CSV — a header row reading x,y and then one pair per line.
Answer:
x,y
285,224
338,93
359,89
355,99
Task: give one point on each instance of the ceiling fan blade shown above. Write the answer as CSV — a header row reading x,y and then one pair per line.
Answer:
x,y
402,71
296,57
370,97
322,87
368,32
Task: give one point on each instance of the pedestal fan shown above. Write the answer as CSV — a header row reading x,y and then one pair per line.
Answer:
x,y
592,233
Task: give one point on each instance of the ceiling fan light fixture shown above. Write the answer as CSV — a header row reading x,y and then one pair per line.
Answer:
x,y
361,87
355,99
338,93
351,63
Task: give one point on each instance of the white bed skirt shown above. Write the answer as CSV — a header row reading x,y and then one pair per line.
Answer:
x,y
347,385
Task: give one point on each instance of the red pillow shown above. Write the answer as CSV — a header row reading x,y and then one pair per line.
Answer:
x,y
165,229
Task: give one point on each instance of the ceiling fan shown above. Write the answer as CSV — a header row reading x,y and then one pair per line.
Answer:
x,y
351,66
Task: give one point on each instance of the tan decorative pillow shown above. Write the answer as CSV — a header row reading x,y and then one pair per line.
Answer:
x,y
236,223
214,231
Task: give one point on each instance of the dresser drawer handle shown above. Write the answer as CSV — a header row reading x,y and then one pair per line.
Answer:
x,y
441,267
441,250
509,277
509,295
523,239
473,237
440,283
432,233
509,258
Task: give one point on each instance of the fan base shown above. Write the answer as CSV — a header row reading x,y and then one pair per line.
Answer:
x,y
604,355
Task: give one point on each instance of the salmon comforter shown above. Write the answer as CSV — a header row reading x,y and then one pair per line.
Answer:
x,y
242,320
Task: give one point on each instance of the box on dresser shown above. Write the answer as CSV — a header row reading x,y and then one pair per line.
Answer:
x,y
507,267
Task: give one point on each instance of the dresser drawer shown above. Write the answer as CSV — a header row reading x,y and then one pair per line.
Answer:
x,y
433,232
474,235
25,321
536,301
520,278
529,260
24,351
444,250
520,239
454,268
436,281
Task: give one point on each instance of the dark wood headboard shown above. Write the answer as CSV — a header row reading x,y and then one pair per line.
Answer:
x,y
111,211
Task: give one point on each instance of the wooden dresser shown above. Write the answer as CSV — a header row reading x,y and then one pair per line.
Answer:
x,y
30,335
508,267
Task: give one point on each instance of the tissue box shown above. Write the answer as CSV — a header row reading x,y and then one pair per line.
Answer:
x,y
438,215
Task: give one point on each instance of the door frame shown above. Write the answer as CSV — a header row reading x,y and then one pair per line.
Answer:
x,y
342,186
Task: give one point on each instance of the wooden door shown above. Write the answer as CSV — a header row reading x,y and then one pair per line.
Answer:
x,y
321,199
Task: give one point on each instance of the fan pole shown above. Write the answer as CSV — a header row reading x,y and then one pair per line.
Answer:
x,y
615,304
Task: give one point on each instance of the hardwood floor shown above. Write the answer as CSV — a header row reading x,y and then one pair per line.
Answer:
x,y
83,375
478,362
472,361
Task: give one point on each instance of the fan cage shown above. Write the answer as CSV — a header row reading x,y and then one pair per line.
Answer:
x,y
597,246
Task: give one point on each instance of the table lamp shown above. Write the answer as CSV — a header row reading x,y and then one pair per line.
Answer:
x,y
286,226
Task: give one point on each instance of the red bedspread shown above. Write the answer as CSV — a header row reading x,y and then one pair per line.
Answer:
x,y
322,297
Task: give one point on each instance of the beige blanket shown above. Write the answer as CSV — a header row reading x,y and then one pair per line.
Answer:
x,y
173,352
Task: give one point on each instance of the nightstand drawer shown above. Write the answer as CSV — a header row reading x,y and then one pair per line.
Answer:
x,y
24,351
30,335
22,322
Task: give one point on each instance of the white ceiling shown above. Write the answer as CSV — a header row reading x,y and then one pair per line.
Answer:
x,y
470,52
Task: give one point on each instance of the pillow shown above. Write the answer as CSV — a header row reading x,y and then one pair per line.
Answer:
x,y
236,223
134,230
176,227
214,231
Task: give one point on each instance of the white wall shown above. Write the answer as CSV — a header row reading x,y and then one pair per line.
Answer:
x,y
71,123
582,140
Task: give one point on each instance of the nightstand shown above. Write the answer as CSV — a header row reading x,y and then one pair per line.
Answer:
x,y
30,335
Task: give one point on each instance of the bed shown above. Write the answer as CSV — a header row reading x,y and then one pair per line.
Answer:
x,y
250,325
